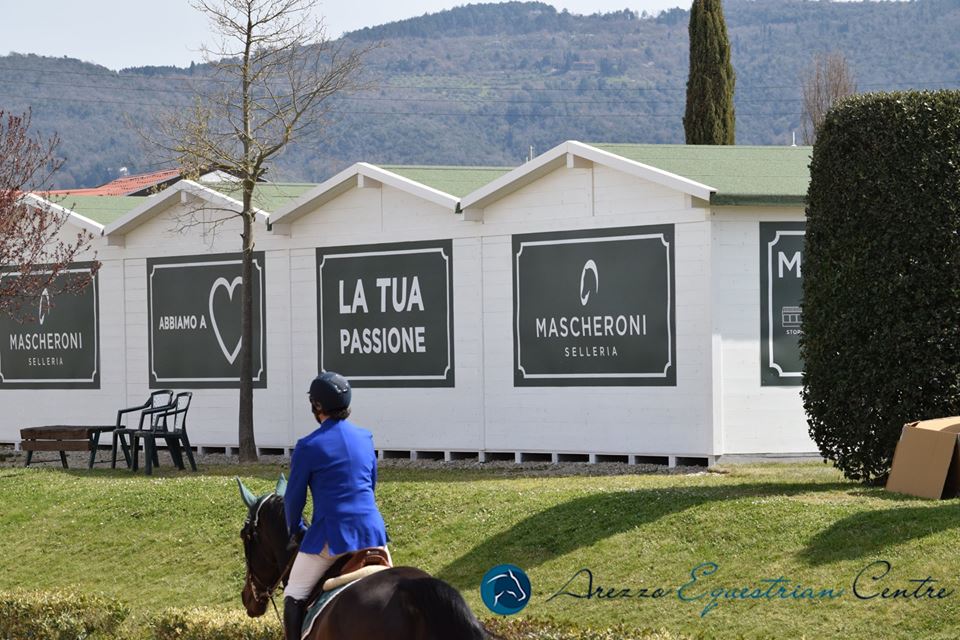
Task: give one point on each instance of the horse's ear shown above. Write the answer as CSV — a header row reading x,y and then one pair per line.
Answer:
x,y
248,498
281,486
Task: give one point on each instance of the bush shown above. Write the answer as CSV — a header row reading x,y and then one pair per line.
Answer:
x,y
881,288
214,624
537,629
59,615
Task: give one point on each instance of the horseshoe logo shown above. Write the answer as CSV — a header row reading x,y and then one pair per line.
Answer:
x,y
585,292
44,306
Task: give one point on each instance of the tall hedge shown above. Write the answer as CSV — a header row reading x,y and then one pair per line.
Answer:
x,y
709,116
881,277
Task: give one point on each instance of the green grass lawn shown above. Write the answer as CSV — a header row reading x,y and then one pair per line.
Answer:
x,y
173,540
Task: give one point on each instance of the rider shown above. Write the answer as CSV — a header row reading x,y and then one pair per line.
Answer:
x,y
337,461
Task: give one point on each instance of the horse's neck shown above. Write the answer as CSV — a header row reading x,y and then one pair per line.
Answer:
x,y
276,523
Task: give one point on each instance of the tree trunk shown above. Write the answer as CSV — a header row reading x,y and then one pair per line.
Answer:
x,y
248,444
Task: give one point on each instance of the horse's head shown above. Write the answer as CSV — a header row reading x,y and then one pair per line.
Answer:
x,y
264,536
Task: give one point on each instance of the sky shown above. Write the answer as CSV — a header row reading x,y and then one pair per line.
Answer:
x,y
133,33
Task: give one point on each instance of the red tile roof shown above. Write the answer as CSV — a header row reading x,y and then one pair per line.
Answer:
x,y
124,186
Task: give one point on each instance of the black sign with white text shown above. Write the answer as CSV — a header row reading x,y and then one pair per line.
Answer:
x,y
594,307
53,340
781,303
194,314
385,313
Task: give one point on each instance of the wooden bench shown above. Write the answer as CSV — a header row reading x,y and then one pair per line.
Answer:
x,y
62,438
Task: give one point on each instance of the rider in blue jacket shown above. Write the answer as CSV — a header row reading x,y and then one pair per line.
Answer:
x,y
339,465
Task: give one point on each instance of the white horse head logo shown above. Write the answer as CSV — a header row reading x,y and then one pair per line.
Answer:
x,y
590,265
507,584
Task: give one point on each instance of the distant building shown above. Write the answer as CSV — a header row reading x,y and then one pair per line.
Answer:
x,y
143,184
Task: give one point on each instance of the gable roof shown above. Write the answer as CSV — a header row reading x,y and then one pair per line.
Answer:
x,y
359,175
741,175
571,153
457,181
152,205
38,202
267,196
101,209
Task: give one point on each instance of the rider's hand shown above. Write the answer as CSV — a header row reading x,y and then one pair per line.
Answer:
x,y
295,540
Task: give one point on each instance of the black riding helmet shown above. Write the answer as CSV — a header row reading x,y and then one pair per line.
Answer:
x,y
331,391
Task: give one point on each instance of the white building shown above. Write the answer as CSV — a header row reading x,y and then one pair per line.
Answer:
x,y
626,302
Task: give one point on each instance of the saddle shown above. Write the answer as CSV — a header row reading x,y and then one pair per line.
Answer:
x,y
346,570
351,567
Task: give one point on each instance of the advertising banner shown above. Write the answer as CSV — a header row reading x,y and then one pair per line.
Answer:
x,y
781,303
385,313
194,314
53,340
595,307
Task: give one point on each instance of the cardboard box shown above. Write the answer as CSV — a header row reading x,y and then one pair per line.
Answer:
x,y
926,463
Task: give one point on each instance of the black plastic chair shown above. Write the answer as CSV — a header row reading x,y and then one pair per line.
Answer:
x,y
172,428
156,405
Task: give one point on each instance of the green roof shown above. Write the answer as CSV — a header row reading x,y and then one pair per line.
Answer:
x,y
457,181
267,196
100,209
742,175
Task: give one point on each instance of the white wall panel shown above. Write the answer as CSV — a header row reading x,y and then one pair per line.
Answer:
x,y
754,419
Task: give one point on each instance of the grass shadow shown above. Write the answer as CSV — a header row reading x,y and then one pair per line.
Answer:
x,y
12,472
582,522
879,493
867,534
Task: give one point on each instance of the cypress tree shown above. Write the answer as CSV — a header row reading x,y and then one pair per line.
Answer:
x,y
709,117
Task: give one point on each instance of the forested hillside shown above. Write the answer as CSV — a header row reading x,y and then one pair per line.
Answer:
x,y
483,83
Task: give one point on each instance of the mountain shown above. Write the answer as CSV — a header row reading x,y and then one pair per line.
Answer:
x,y
482,83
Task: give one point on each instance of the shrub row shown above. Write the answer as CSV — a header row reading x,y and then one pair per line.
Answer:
x,y
60,615
214,624
545,629
66,615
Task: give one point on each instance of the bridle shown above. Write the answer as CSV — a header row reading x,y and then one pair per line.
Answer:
x,y
261,591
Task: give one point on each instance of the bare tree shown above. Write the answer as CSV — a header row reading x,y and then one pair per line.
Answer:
x,y
274,73
31,244
826,81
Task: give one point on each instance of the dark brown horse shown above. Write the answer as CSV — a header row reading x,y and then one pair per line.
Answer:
x,y
402,603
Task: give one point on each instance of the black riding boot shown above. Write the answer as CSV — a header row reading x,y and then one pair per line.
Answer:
x,y
293,612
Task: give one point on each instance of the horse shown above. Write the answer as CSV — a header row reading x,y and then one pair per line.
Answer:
x,y
400,603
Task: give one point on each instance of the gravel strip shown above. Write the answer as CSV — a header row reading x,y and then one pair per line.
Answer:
x,y
78,460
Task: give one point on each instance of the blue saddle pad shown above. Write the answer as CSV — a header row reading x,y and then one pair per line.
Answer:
x,y
318,605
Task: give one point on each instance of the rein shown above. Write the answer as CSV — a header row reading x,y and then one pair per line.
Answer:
x,y
261,591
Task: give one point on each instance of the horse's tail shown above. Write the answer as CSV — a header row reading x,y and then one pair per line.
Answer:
x,y
443,612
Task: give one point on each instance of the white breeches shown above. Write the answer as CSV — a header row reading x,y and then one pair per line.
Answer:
x,y
307,570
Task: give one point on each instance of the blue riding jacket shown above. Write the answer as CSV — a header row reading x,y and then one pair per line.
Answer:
x,y
339,464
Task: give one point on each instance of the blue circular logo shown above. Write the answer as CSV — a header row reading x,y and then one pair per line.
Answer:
x,y
505,589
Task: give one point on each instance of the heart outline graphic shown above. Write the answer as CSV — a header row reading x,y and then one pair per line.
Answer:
x,y
229,286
